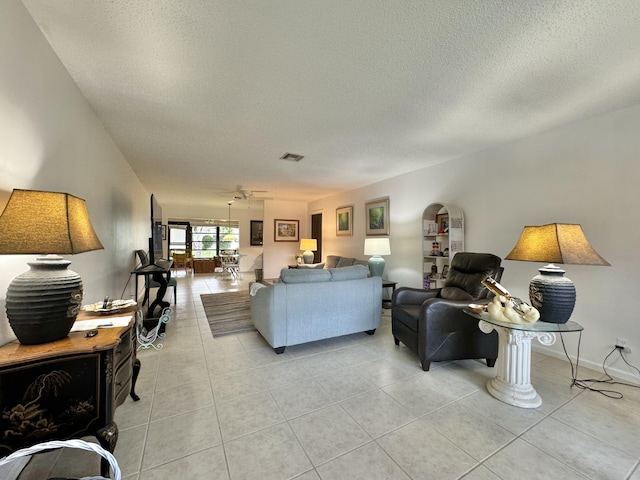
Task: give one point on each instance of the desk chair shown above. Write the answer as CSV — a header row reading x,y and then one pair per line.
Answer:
x,y
150,283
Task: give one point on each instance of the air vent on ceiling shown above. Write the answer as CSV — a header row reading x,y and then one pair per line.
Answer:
x,y
292,157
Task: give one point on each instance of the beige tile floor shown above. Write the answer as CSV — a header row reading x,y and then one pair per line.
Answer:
x,y
354,407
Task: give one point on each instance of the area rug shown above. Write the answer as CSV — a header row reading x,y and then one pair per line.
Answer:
x,y
228,313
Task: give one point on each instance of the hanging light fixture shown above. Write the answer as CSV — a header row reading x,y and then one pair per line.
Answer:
x,y
229,237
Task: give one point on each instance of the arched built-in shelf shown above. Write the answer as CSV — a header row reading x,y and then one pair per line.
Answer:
x,y
442,238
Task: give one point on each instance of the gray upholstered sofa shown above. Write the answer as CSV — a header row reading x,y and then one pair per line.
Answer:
x,y
306,305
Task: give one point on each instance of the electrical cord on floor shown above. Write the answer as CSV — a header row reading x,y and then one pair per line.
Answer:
x,y
583,383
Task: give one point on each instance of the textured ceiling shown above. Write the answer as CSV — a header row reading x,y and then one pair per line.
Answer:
x,y
204,96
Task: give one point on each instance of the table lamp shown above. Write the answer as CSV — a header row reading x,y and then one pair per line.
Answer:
x,y
376,247
43,303
309,245
553,294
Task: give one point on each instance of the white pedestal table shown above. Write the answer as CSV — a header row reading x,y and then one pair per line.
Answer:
x,y
512,383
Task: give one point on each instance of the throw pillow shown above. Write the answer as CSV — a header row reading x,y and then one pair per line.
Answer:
x,y
354,272
345,262
332,261
314,265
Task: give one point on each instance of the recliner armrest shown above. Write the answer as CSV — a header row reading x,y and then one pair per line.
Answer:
x,y
412,296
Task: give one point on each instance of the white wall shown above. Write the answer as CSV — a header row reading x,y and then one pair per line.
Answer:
x,y
52,140
278,255
584,173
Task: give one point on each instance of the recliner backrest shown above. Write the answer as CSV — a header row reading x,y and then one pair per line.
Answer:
x,y
466,272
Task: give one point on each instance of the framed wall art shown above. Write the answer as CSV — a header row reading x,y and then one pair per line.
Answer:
x,y
442,220
344,221
377,217
286,230
256,232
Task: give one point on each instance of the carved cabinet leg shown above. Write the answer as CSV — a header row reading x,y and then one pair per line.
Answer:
x,y
107,437
134,378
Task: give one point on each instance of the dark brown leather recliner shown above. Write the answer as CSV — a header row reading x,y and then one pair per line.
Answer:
x,y
432,323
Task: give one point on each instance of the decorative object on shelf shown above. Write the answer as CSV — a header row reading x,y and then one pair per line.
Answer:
x,y
430,228
344,221
377,218
376,247
42,304
435,249
553,294
309,245
445,272
286,230
442,223
229,237
256,233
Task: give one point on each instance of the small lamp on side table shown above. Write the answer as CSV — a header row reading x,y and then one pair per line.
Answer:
x,y
42,304
376,247
553,294
309,245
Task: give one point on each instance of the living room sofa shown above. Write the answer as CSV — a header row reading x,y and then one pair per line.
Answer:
x,y
306,305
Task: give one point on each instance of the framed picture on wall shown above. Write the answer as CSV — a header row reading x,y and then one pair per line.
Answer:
x,y
344,221
286,230
377,217
164,232
256,232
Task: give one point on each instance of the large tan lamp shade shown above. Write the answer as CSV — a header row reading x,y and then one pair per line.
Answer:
x,y
553,294
43,303
309,245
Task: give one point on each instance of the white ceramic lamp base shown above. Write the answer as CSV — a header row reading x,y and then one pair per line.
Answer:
x,y
307,257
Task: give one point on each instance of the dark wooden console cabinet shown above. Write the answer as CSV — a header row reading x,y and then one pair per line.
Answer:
x,y
69,388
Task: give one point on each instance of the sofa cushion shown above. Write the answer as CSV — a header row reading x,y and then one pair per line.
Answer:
x,y
354,272
361,262
304,275
345,262
332,261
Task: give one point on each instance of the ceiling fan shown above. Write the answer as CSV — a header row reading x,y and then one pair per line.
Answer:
x,y
243,194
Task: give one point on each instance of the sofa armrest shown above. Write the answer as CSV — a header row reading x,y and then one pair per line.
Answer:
x,y
412,296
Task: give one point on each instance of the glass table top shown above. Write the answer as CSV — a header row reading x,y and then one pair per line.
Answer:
x,y
538,326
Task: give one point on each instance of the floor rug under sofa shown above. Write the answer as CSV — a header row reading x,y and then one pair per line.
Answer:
x,y
228,313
